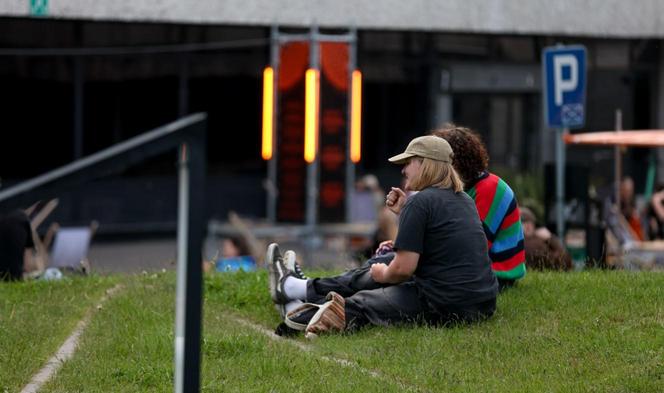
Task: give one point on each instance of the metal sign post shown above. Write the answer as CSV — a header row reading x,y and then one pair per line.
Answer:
x,y
564,78
560,181
617,161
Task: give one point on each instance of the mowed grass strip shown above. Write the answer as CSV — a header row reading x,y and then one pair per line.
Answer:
x,y
36,317
128,347
238,359
556,332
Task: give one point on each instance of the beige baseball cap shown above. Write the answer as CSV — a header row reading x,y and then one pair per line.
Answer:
x,y
428,146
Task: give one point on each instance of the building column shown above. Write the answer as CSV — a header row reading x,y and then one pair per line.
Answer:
x,y
498,141
441,98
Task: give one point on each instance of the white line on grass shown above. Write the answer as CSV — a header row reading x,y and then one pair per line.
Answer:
x,y
66,350
306,348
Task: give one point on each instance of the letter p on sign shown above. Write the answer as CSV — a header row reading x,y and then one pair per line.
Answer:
x,y
564,77
564,84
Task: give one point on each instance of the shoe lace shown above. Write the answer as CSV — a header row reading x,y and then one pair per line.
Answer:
x,y
298,272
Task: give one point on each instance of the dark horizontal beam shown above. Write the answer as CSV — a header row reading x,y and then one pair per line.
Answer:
x,y
136,50
111,160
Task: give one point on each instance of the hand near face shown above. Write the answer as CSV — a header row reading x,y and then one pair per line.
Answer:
x,y
395,200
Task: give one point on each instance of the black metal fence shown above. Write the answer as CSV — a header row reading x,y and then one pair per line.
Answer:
x,y
188,136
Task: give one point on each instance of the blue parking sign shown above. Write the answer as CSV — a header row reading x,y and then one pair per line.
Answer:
x,y
564,76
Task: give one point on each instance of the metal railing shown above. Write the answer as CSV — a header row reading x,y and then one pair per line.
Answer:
x,y
188,136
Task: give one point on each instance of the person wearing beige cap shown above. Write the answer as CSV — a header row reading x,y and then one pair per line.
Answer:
x,y
439,273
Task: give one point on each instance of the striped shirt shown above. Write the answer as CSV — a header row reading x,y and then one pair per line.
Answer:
x,y
500,216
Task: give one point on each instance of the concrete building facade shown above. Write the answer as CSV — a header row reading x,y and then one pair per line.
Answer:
x,y
593,18
424,62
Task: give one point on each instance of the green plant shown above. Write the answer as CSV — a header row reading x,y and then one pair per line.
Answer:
x,y
528,187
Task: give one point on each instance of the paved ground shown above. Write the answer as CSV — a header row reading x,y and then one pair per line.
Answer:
x,y
135,256
132,256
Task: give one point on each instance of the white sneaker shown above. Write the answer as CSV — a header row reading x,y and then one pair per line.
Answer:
x,y
291,264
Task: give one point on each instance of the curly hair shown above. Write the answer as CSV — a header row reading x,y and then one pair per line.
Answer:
x,y
470,155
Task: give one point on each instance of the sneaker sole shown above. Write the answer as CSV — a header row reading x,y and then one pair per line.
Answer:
x,y
289,260
273,270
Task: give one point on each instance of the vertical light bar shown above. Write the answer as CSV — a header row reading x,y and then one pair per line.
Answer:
x,y
356,117
268,112
311,115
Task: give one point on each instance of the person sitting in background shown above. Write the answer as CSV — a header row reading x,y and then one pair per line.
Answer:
x,y
655,214
387,222
15,243
234,246
544,251
235,255
628,207
369,183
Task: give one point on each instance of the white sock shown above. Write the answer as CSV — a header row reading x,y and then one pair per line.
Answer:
x,y
295,288
290,306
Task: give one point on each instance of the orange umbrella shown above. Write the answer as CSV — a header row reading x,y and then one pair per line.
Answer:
x,y
635,138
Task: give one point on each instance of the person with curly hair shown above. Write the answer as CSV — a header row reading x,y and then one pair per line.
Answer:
x,y
495,202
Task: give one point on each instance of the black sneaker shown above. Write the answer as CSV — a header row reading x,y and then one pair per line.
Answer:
x,y
292,265
284,330
277,272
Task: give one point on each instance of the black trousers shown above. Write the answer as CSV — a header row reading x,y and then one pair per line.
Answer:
x,y
369,302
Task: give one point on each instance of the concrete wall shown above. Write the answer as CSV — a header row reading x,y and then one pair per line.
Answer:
x,y
599,18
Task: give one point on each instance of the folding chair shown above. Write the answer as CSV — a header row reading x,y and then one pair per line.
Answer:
x,y
38,213
363,207
70,248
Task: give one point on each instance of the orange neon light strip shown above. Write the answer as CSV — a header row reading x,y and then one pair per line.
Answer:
x,y
356,117
311,100
268,112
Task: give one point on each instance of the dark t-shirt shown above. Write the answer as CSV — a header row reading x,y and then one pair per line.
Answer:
x,y
15,237
445,229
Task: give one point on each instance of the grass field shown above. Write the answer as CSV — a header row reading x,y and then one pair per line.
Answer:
x,y
592,331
